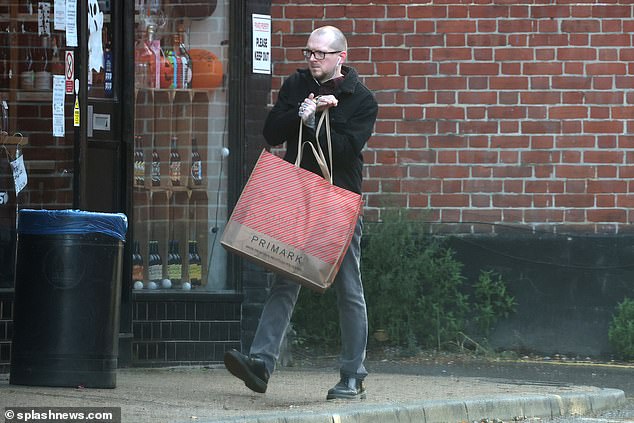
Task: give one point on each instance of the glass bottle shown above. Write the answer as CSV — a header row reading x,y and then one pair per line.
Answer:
x,y
196,168
155,264
195,269
156,168
147,58
175,162
139,162
175,265
137,263
186,60
171,56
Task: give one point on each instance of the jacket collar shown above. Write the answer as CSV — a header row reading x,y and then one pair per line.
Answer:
x,y
349,74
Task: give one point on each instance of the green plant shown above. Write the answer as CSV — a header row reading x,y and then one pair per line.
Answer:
x,y
412,283
492,300
621,330
414,289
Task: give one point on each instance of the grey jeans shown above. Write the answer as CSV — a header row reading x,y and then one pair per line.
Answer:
x,y
353,319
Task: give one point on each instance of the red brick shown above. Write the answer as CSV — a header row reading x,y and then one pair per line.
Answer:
x,y
508,112
606,186
541,127
611,40
444,113
569,53
443,54
456,26
426,12
447,83
479,68
488,12
568,112
603,157
543,69
508,83
606,69
390,54
571,200
477,97
443,171
612,11
550,11
585,25
424,186
605,126
416,127
540,97
481,40
607,215
457,12
539,216
474,127
548,40
449,200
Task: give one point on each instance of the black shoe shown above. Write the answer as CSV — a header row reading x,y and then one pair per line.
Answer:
x,y
348,388
250,370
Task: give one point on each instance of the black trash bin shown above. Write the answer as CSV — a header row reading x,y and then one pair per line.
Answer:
x,y
67,295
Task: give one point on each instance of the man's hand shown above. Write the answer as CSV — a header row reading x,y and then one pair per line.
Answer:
x,y
312,104
307,110
325,102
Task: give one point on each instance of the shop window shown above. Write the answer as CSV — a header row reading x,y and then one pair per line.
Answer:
x,y
31,54
180,157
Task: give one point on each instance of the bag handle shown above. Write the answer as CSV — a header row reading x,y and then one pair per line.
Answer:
x,y
317,151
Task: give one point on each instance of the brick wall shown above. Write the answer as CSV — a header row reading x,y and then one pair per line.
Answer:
x,y
498,112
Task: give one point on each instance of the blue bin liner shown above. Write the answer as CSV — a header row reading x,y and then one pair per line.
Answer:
x,y
69,222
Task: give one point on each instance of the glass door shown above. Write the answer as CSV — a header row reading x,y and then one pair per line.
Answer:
x,y
180,145
36,117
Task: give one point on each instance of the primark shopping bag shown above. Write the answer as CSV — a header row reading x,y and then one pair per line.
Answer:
x,y
293,221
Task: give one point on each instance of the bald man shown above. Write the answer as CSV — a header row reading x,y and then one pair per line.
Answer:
x,y
326,83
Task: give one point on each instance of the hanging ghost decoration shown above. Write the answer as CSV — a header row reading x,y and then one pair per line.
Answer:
x,y
95,46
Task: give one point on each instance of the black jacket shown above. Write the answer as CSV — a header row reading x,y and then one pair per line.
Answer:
x,y
351,122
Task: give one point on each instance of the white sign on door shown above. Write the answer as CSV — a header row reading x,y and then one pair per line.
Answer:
x,y
261,44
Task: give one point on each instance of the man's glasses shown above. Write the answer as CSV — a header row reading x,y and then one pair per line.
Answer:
x,y
319,55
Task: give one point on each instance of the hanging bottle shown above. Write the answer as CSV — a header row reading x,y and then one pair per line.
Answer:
x,y
139,162
175,162
156,168
196,167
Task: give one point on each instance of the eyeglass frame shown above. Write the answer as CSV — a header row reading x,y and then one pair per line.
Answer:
x,y
310,53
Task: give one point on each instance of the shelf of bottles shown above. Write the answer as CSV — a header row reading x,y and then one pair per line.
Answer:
x,y
28,60
170,167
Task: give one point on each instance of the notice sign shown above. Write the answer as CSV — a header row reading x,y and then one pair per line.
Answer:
x,y
19,174
69,68
261,44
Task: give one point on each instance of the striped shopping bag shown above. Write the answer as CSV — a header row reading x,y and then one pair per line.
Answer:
x,y
292,221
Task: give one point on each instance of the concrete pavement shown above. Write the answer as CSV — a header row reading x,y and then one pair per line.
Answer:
x,y
196,394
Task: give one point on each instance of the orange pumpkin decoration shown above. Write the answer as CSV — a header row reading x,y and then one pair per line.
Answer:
x,y
206,69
